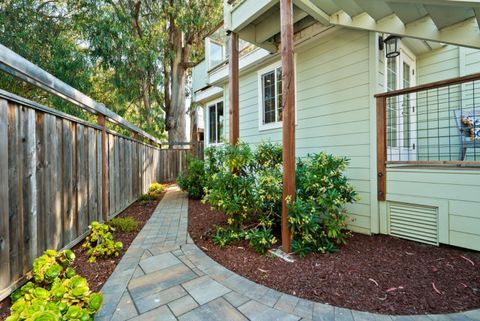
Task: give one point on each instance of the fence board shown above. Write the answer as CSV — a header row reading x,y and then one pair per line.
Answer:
x,y
29,191
4,198
99,176
40,184
15,194
68,142
57,174
92,172
82,189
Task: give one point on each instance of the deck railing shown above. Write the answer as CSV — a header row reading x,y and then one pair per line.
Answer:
x,y
435,124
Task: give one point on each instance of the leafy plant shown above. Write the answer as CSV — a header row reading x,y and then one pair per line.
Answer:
x,y
56,293
154,193
231,183
156,188
192,179
317,218
100,243
225,236
247,186
124,224
260,239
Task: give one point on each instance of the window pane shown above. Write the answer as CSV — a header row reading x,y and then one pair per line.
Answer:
x,y
211,124
216,54
268,84
220,122
406,106
279,94
391,74
392,110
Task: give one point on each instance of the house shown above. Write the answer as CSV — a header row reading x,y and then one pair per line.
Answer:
x,y
414,154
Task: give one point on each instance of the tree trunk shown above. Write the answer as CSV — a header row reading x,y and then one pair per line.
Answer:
x,y
176,121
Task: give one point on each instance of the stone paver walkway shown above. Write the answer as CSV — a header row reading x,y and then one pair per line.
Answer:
x,y
164,276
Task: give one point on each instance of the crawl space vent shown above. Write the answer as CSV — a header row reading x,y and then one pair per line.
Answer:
x,y
414,222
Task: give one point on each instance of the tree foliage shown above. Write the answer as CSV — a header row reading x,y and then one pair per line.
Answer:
x,y
132,55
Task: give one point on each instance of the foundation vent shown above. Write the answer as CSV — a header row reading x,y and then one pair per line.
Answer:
x,y
414,222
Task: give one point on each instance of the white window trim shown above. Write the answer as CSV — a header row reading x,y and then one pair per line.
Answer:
x,y
260,73
207,122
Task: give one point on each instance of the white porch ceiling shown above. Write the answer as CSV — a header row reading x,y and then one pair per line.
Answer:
x,y
446,21
432,22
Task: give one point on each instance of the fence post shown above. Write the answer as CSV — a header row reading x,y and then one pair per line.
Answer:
x,y
381,148
102,122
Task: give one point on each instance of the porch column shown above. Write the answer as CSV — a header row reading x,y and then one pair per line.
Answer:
x,y
233,89
288,103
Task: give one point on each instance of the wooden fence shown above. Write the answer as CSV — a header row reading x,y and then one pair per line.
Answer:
x,y
51,180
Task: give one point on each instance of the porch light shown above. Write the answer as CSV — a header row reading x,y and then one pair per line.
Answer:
x,y
392,46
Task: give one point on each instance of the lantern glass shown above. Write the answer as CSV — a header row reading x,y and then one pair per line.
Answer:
x,y
392,46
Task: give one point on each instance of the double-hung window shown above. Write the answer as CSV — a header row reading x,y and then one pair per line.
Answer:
x,y
215,122
270,81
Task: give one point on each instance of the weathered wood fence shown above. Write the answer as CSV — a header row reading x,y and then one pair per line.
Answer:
x,y
54,181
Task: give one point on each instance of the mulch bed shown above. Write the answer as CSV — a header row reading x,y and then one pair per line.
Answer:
x,y
381,274
98,272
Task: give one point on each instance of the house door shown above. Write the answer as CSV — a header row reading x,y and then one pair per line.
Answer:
x,y
401,113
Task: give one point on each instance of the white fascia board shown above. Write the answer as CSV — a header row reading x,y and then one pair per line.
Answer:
x,y
207,94
249,60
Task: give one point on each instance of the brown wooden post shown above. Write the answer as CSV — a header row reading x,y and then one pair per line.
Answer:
x,y
288,94
381,148
233,90
102,122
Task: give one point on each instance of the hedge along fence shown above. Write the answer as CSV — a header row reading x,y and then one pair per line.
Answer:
x,y
52,178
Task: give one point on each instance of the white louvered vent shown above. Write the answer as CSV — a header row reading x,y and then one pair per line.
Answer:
x,y
414,222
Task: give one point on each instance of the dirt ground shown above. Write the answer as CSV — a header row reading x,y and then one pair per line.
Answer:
x,y
378,273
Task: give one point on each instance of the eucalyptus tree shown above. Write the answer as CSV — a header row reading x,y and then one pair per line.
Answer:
x,y
151,46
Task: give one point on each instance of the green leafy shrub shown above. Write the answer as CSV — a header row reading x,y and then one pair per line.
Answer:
x,y
154,193
317,218
192,179
100,243
156,188
260,239
124,224
225,236
231,183
56,293
247,186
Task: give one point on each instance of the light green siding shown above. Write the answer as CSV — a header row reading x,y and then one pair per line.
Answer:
x,y
332,81
455,193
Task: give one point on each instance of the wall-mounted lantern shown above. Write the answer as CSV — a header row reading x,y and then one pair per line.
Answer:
x,y
392,46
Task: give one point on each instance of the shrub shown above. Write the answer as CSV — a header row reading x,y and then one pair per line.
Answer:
x,y
156,188
247,186
100,243
225,236
124,224
231,183
154,193
56,293
317,218
260,239
192,179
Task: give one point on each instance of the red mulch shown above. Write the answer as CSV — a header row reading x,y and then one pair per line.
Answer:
x,y
98,272
378,273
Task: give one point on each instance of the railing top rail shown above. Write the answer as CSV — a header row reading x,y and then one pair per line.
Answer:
x,y
432,85
15,65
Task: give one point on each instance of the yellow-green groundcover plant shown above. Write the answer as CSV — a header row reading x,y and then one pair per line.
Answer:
x,y
55,292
